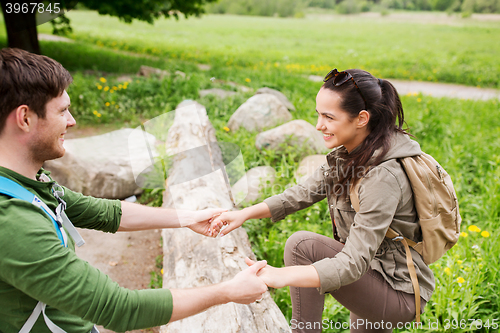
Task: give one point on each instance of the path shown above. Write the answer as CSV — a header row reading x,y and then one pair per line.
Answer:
x,y
436,89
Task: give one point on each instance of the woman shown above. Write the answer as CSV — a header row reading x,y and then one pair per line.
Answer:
x,y
361,119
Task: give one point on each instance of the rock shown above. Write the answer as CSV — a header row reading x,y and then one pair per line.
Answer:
x,y
221,93
196,181
240,87
248,188
297,133
204,67
124,78
307,167
181,74
101,166
278,94
147,71
258,112
315,78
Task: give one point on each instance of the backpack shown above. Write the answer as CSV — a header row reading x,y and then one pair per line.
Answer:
x,y
437,209
12,189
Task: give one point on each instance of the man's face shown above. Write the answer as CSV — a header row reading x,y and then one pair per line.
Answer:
x,y
48,137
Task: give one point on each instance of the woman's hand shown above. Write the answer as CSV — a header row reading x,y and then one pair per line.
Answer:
x,y
296,276
231,220
271,276
200,221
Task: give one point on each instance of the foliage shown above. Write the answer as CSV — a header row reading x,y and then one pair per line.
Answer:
x,y
282,8
462,135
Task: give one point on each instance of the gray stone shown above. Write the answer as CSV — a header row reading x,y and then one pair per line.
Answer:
x,y
315,78
248,188
148,71
258,112
297,133
101,166
221,93
196,182
204,67
307,167
278,94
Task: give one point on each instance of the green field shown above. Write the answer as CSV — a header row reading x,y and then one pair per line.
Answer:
x,y
280,53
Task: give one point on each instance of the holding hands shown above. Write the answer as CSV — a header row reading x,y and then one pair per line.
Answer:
x,y
231,220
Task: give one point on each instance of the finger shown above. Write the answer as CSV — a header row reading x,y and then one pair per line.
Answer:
x,y
230,227
257,266
249,261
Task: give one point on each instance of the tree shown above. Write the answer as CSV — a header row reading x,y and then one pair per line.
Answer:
x,y
21,16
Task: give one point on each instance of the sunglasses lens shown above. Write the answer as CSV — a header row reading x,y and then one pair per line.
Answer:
x,y
341,78
330,74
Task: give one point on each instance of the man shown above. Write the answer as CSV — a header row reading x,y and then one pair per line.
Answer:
x,y
35,266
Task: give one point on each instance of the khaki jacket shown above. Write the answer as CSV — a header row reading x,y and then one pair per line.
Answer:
x,y
385,199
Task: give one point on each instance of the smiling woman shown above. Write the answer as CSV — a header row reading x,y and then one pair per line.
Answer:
x,y
361,119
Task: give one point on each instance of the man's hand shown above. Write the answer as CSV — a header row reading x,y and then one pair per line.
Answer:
x,y
232,220
270,275
202,220
297,276
246,287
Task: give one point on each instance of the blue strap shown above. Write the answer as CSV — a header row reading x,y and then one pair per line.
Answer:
x,y
14,190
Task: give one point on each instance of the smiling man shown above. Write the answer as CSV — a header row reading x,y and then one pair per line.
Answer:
x,y
44,286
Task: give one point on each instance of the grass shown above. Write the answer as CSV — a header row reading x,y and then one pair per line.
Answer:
x,y
277,53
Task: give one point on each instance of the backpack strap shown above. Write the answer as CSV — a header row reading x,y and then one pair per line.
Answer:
x,y
15,190
395,236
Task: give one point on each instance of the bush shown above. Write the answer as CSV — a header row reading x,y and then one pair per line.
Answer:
x,y
348,7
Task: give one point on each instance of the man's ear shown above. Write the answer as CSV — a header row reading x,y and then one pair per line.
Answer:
x,y
24,118
363,118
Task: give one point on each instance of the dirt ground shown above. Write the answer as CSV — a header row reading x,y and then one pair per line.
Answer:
x,y
126,257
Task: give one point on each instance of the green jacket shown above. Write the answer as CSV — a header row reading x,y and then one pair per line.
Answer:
x,y
34,266
386,199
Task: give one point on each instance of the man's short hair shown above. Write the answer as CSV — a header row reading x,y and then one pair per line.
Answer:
x,y
29,79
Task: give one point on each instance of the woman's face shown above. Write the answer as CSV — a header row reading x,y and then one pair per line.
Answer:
x,y
337,128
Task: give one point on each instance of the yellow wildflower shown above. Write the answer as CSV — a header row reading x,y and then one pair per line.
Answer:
x,y
161,271
106,88
459,262
99,87
485,234
111,91
98,115
474,228
247,79
120,86
112,102
103,80
107,104
116,106
447,270
95,112
115,87
419,100
225,128
460,280
464,234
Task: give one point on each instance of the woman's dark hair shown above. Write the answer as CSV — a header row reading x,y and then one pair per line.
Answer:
x,y
381,100
30,79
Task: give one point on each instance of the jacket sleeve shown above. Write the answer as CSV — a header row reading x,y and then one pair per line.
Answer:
x,y
92,213
34,262
379,196
300,196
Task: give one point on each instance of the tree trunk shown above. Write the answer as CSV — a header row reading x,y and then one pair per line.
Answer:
x,y
21,29
192,260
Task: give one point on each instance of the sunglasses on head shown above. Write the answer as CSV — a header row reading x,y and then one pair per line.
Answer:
x,y
339,78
